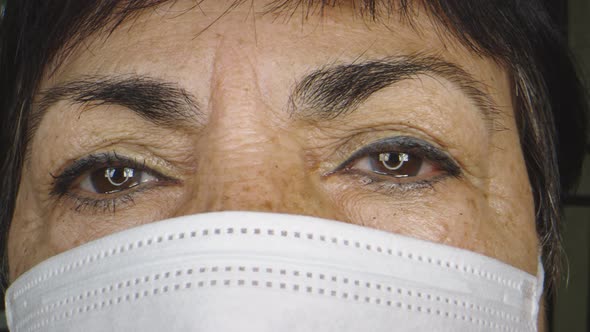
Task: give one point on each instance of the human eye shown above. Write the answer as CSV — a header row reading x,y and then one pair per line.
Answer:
x,y
400,162
103,181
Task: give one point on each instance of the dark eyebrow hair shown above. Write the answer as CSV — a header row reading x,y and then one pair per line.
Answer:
x,y
324,94
156,100
337,90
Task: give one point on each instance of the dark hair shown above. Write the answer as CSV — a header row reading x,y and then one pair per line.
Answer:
x,y
550,105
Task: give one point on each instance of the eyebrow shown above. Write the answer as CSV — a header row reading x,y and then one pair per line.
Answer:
x,y
324,94
158,101
337,90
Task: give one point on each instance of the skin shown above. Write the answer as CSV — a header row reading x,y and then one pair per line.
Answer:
x,y
245,152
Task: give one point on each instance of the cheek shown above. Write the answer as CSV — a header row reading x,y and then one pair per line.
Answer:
x,y
511,200
442,214
40,230
28,241
450,213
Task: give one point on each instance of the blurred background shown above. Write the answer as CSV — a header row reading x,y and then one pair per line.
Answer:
x,y
570,310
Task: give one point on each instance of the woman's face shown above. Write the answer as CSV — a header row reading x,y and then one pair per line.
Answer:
x,y
178,112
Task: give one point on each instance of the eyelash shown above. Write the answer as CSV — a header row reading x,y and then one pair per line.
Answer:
x,y
63,182
415,147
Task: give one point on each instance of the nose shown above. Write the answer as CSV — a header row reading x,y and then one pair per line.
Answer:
x,y
249,156
261,170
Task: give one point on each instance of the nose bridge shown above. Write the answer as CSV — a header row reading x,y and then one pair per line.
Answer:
x,y
250,160
255,175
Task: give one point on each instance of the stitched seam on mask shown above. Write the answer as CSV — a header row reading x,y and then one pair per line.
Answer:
x,y
334,279
260,283
138,295
441,263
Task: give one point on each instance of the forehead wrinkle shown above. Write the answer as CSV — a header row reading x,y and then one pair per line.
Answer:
x,y
111,16
368,8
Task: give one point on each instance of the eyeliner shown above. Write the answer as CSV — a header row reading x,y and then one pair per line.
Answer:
x,y
405,144
63,181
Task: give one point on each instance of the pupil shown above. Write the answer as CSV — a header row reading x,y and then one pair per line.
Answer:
x,y
399,165
118,176
113,179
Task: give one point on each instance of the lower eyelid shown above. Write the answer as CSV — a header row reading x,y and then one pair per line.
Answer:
x,y
108,202
391,185
82,204
396,188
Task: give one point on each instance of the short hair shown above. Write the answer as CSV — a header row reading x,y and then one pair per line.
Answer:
x,y
550,105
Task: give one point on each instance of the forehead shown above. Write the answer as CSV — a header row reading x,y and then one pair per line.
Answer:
x,y
177,35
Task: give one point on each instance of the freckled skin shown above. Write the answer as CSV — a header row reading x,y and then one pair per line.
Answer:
x,y
251,155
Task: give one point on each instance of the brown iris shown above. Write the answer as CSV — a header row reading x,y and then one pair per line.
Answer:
x,y
397,164
114,179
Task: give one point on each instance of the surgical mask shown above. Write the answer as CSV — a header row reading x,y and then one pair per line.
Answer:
x,y
248,271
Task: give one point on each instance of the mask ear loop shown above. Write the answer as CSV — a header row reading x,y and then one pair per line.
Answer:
x,y
538,291
401,157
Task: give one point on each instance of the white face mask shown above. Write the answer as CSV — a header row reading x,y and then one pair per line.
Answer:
x,y
246,271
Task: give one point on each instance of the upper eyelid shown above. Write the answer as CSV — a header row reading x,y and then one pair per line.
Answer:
x,y
94,159
400,144
410,144
91,161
